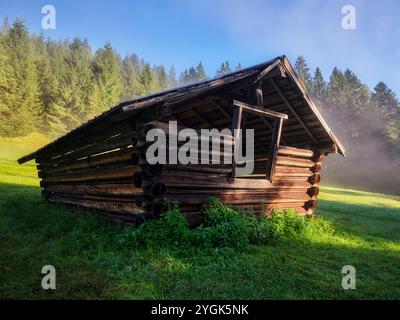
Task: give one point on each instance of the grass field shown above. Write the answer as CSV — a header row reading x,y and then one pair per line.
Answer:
x,y
93,261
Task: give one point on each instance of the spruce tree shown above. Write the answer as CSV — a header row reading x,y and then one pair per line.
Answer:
x,y
72,91
55,111
336,96
192,75
357,93
228,68
303,71
184,78
221,70
20,105
172,77
224,69
131,66
46,81
107,71
7,85
162,78
319,86
385,99
201,72
146,80
387,103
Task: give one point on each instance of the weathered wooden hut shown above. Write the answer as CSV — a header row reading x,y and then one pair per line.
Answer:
x,y
102,165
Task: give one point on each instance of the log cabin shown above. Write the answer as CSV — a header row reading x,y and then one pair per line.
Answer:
x,y
102,164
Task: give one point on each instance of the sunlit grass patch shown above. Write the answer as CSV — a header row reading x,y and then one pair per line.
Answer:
x,y
97,260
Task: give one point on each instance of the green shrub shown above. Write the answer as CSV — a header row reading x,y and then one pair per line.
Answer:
x,y
170,230
283,225
224,227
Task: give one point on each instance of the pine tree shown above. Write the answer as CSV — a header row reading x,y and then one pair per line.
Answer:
x,y
357,93
224,69
221,70
386,101
184,78
201,72
336,96
192,75
54,111
131,66
385,98
172,77
46,81
107,71
319,86
162,78
303,71
228,68
72,91
20,104
146,80
238,67
7,85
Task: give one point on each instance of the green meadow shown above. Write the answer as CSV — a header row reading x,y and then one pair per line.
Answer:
x,y
94,260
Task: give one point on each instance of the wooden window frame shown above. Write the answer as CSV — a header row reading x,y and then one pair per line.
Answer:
x,y
239,108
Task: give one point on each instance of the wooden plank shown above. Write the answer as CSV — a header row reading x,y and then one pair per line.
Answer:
x,y
236,123
118,189
259,94
276,138
267,70
120,208
111,174
295,162
260,102
258,111
118,156
295,152
222,109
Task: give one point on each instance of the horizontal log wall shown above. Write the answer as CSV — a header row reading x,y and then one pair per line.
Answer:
x,y
111,175
95,173
295,184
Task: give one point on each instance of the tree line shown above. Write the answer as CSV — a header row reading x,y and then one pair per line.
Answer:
x,y
366,121
53,86
355,109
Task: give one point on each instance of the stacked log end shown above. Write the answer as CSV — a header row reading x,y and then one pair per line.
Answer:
x,y
301,169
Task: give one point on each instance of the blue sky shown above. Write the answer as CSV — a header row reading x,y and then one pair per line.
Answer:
x,y
182,33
